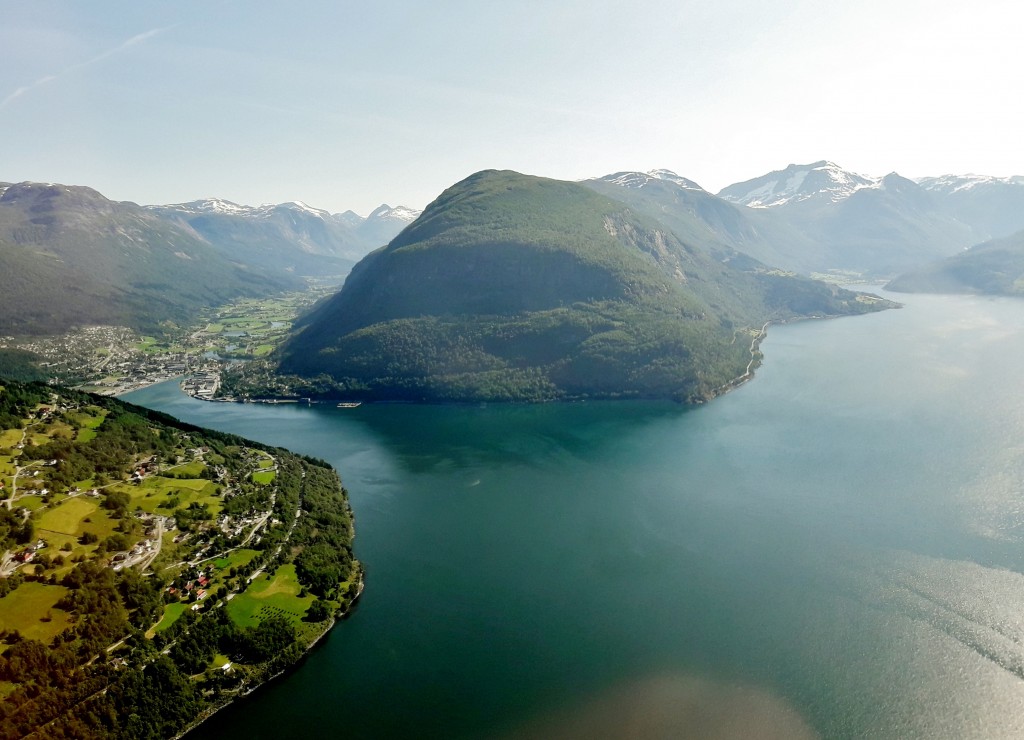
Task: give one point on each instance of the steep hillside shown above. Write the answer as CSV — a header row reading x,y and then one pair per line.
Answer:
x,y
517,287
699,217
69,256
995,267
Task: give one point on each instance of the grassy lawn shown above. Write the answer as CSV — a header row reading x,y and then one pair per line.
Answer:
x,y
86,435
266,463
263,477
263,349
186,470
30,502
156,490
67,517
59,429
10,437
25,608
235,559
171,614
88,423
100,524
270,596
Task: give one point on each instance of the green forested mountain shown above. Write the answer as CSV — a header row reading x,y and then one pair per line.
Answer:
x,y
995,267
515,287
69,256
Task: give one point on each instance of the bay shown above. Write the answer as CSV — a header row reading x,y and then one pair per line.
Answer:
x,y
836,548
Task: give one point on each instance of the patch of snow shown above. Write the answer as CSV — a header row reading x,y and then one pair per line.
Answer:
x,y
962,183
208,205
384,212
821,181
638,180
294,205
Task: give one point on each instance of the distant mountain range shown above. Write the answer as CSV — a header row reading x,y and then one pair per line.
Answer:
x,y
511,287
291,236
819,217
70,257
995,268
882,225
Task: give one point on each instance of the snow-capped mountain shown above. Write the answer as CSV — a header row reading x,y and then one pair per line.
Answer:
x,y
384,223
384,212
872,225
293,236
226,207
702,219
817,182
641,179
993,206
949,184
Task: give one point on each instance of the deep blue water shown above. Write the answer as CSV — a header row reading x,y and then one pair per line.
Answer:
x,y
835,548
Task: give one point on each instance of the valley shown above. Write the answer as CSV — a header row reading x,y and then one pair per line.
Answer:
x,y
116,360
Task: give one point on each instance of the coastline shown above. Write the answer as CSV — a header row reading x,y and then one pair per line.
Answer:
x,y
340,616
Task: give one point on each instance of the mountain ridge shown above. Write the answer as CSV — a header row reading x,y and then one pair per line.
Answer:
x,y
514,287
69,256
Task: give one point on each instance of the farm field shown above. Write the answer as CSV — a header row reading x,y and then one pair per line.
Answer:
x,y
31,610
270,595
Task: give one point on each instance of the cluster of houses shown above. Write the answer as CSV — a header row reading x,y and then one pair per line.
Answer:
x,y
29,553
197,587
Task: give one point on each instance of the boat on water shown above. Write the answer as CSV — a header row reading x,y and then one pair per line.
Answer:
x,y
349,404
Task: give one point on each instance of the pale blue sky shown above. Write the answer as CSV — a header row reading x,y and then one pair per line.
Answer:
x,y
347,105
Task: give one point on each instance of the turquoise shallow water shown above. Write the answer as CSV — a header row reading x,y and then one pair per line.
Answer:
x,y
836,548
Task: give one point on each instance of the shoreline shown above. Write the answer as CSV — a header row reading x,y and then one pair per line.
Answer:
x,y
335,618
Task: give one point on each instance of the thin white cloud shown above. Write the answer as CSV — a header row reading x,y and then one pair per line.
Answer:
x,y
133,41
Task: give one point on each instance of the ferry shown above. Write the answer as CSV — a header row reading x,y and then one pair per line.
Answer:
x,y
349,404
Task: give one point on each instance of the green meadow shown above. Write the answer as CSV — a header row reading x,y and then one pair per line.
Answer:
x,y
31,610
270,595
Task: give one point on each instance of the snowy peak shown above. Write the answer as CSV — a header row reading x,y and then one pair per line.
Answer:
x,y
208,205
638,180
222,207
298,205
402,214
821,182
948,184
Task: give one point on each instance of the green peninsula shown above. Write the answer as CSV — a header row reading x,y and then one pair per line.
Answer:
x,y
152,571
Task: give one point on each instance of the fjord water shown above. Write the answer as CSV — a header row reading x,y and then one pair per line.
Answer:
x,y
836,548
